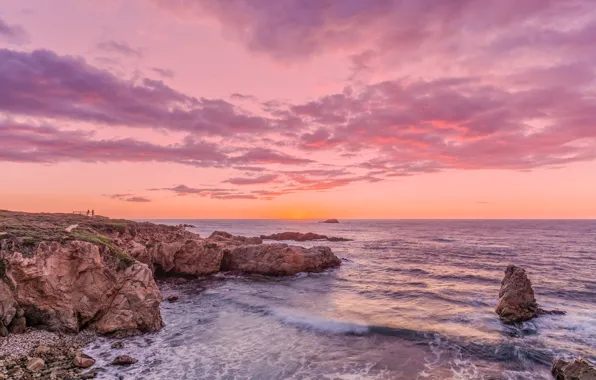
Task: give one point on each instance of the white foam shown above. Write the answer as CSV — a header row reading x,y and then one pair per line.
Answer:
x,y
318,323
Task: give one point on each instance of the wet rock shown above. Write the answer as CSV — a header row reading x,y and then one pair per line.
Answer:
x,y
579,369
8,304
330,221
35,365
278,259
82,360
298,236
172,299
123,360
516,297
118,345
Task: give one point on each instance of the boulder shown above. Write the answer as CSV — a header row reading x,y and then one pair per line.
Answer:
x,y
67,286
187,257
298,236
82,360
123,360
516,297
579,369
35,365
278,259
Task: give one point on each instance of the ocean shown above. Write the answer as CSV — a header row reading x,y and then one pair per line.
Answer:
x,y
413,299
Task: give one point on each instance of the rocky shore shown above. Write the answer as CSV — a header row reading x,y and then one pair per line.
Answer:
x,y
67,273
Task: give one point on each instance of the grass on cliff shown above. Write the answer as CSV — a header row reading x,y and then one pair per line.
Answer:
x,y
28,230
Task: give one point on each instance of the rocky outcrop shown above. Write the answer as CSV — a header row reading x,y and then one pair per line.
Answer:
x,y
579,369
330,221
229,239
278,259
76,284
516,297
170,250
298,236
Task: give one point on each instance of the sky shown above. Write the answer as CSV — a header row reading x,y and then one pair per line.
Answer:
x,y
299,108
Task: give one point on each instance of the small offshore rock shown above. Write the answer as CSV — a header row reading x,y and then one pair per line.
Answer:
x,y
579,369
330,221
516,297
82,360
172,299
123,360
118,345
35,365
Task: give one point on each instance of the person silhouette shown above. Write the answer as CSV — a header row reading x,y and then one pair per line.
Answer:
x,y
92,213
87,212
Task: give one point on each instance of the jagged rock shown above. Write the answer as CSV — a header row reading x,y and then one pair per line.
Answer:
x,y
278,259
229,239
118,345
579,369
82,360
516,297
8,304
298,236
35,365
330,221
70,285
172,299
123,360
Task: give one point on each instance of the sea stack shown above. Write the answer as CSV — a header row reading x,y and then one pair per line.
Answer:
x,y
516,297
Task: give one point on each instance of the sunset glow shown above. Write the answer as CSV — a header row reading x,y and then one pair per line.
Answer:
x,y
299,109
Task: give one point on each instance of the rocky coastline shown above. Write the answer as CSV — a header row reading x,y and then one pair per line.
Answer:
x,y
65,278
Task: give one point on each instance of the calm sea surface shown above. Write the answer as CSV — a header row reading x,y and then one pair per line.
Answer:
x,y
412,300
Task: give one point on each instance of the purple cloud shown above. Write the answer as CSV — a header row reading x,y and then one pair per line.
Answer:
x,y
121,48
13,34
43,84
267,178
165,73
129,198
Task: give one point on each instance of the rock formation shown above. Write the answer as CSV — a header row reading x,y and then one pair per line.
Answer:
x,y
100,273
72,285
516,297
579,369
330,221
298,236
278,259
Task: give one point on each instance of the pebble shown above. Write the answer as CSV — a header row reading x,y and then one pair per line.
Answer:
x,y
22,344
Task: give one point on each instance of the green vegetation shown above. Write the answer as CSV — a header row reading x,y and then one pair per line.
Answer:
x,y
28,230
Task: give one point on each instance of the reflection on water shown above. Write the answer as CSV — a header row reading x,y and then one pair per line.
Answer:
x,y
412,300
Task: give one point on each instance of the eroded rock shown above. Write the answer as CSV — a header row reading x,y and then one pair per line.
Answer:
x,y
278,259
516,297
35,365
298,236
71,285
82,360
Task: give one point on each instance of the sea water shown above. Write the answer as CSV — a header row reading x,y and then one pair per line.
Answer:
x,y
413,299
